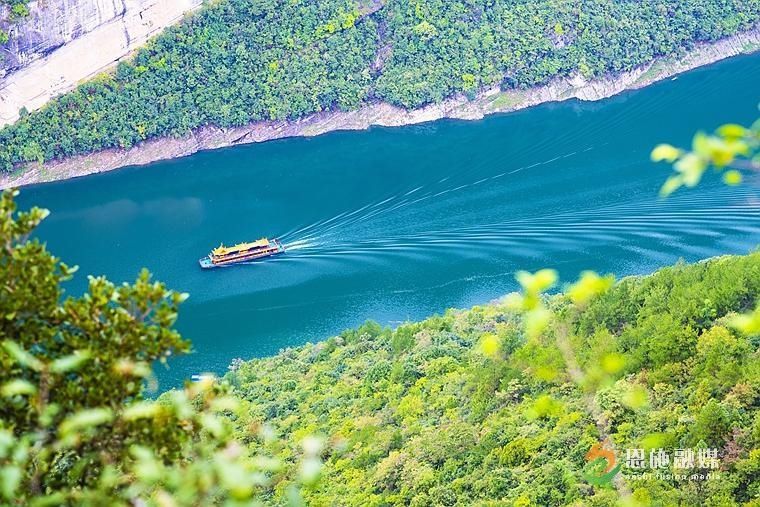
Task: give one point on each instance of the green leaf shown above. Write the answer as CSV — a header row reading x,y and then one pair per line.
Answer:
x,y
224,404
665,152
147,467
7,441
53,500
545,406
538,282
10,479
536,321
85,419
212,424
737,147
732,177
489,345
131,368
701,144
748,323
654,440
21,356
589,286
715,150
671,185
613,363
70,362
17,387
635,398
142,410
310,470
732,131
691,168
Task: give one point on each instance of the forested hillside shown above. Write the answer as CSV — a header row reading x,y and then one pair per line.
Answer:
x,y
239,61
462,409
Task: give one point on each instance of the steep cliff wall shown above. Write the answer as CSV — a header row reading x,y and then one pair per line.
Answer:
x,y
53,24
63,42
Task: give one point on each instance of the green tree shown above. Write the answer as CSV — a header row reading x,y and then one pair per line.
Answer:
x,y
731,150
75,428
712,424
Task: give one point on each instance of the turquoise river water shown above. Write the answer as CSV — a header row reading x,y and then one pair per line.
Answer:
x,y
394,224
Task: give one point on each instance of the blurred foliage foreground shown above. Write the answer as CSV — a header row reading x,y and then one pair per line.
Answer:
x,y
74,426
497,405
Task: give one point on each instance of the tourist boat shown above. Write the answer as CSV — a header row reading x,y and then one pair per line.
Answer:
x,y
243,252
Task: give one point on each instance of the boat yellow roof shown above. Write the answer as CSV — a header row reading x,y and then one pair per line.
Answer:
x,y
240,247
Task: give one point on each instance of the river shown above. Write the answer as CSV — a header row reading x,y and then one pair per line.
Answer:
x,y
396,224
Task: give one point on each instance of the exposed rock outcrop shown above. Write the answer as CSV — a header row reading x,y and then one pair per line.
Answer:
x,y
63,42
52,24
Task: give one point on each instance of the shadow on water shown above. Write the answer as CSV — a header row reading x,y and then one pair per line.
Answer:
x,y
397,224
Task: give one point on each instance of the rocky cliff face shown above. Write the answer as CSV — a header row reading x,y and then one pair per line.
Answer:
x,y
63,42
51,24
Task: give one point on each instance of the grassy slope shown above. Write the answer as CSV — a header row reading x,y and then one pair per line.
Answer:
x,y
418,416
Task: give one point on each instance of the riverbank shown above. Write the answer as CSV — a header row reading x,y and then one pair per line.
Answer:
x,y
382,114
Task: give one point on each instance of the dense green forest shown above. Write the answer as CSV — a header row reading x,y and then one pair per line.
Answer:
x,y
238,61
463,409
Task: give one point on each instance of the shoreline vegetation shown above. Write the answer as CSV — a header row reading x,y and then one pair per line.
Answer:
x,y
490,101
239,72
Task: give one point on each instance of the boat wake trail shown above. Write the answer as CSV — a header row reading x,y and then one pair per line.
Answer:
x,y
328,230
300,245
692,224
